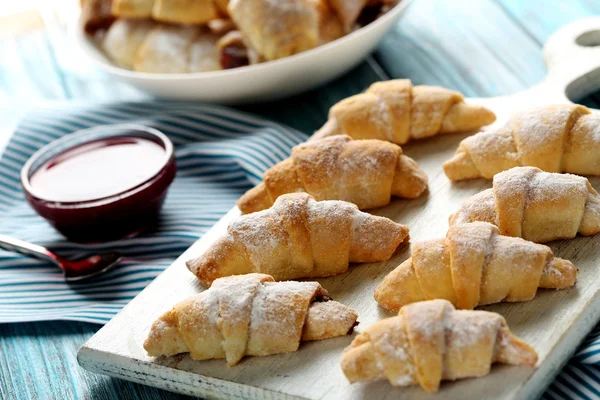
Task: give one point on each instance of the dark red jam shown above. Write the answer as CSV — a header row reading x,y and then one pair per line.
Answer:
x,y
103,189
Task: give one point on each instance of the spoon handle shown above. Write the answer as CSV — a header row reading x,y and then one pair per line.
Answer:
x,y
27,249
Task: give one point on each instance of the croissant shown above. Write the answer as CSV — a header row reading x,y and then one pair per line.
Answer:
x,y
173,11
277,29
364,172
299,238
397,111
535,205
249,315
474,265
145,46
557,138
430,341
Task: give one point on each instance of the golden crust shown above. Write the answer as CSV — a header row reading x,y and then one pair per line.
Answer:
x,y
429,342
248,315
474,265
299,238
277,29
364,172
535,205
555,138
396,111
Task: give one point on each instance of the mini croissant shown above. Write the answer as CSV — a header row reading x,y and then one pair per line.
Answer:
x,y
249,315
299,238
364,172
277,29
535,205
557,138
430,341
474,265
173,11
397,111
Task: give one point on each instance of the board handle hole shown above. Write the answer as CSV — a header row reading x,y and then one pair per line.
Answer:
x,y
589,39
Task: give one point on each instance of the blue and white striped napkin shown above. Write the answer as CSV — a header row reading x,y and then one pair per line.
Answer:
x,y
220,154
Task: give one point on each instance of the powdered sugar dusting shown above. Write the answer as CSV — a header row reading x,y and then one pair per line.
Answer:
x,y
468,328
270,302
261,233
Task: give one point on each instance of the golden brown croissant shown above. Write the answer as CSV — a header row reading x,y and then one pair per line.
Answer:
x,y
397,111
364,172
145,46
474,265
249,315
557,138
193,12
299,238
430,341
277,29
535,205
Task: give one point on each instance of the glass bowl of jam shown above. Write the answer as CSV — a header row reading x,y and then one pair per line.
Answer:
x,y
103,183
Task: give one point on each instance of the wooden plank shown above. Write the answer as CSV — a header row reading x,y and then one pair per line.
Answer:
x,y
308,111
540,26
38,360
471,46
28,69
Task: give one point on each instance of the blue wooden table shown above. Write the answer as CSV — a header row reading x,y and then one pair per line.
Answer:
x,y
479,47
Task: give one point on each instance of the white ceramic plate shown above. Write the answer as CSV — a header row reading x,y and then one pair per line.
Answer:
x,y
267,81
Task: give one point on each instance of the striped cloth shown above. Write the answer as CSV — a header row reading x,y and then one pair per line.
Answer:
x,y
220,154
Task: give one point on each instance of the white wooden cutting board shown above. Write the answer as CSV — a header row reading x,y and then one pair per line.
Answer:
x,y
553,323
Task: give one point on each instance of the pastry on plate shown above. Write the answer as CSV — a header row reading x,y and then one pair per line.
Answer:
x,y
249,315
429,342
277,29
145,46
193,12
364,172
299,238
124,39
397,111
555,138
535,205
474,265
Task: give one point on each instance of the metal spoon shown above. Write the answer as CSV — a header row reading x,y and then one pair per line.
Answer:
x,y
73,270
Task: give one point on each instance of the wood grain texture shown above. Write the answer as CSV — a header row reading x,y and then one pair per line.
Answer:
x,y
33,352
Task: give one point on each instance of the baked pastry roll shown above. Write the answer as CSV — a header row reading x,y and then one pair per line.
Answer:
x,y
145,46
132,8
166,50
124,39
299,238
429,342
194,12
364,172
249,315
556,138
535,205
204,54
397,111
474,265
184,11
277,29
